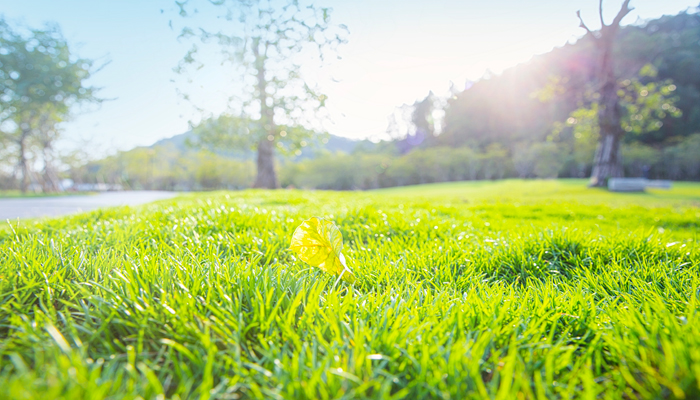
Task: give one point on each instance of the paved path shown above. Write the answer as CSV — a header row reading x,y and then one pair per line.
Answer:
x,y
33,207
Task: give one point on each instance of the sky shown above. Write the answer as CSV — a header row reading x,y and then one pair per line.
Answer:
x,y
397,52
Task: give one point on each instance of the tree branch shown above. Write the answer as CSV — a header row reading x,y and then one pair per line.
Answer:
x,y
583,24
600,13
624,10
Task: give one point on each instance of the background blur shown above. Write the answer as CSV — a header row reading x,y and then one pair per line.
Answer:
x,y
336,95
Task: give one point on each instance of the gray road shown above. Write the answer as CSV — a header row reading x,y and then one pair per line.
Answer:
x,y
34,207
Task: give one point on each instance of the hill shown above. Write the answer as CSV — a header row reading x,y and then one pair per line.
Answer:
x,y
329,144
524,103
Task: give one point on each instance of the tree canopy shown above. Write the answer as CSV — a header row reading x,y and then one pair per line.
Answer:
x,y
40,83
267,44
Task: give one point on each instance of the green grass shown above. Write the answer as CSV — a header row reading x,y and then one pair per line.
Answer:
x,y
531,290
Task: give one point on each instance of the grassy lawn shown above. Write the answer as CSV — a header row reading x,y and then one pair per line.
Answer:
x,y
529,290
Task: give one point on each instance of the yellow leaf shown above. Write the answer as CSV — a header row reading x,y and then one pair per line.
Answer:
x,y
319,243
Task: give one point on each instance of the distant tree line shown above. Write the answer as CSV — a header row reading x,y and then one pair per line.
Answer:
x,y
543,160
165,167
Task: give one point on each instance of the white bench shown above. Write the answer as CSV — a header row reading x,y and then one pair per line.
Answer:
x,y
635,184
659,184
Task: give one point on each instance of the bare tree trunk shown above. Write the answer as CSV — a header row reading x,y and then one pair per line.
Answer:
x,y
23,164
50,182
607,162
266,177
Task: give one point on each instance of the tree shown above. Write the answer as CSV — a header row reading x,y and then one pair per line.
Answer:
x,y
228,131
607,162
40,82
413,125
524,159
643,102
266,43
548,160
422,116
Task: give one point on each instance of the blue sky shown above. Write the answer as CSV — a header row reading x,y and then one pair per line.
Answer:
x,y
397,52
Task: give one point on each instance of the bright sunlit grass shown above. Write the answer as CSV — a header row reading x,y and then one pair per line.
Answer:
x,y
464,290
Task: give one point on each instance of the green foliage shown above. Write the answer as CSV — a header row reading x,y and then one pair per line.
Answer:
x,y
548,160
41,81
551,159
577,138
500,110
337,171
524,159
495,161
166,168
479,290
433,165
371,171
681,161
636,157
526,101
236,133
37,70
647,105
